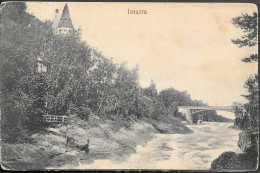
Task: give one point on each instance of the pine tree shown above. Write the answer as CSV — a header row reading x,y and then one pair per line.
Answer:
x,y
248,23
249,26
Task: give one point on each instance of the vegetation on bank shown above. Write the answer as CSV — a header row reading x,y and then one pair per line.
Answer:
x,y
79,80
246,120
108,140
105,99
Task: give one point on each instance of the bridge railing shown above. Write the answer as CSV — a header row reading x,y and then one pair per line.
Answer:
x,y
208,107
55,118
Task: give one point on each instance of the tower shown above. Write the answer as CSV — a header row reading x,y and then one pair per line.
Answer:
x,y
64,25
55,21
79,32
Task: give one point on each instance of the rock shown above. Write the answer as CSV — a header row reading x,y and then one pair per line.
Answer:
x,y
9,153
232,161
226,161
165,128
246,141
239,123
160,128
61,159
184,122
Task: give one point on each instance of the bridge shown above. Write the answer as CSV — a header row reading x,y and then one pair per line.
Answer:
x,y
55,118
190,111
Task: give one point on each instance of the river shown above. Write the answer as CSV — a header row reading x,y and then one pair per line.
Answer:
x,y
194,151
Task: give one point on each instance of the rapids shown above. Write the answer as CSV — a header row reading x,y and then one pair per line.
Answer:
x,y
194,151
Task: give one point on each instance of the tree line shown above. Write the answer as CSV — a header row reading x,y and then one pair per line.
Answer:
x,y
79,80
248,120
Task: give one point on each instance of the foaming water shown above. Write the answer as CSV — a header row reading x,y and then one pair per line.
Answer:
x,y
179,151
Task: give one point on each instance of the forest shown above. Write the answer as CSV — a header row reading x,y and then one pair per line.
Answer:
x,y
247,120
79,80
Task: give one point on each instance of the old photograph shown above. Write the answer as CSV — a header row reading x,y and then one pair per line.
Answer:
x,y
129,86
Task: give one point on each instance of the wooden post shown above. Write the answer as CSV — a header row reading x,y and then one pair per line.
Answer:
x,y
67,138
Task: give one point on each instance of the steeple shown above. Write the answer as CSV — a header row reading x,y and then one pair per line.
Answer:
x,y
63,25
65,20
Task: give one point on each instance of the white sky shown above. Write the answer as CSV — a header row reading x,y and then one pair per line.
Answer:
x,y
186,46
230,115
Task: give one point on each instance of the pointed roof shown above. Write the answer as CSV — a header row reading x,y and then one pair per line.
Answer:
x,y
65,20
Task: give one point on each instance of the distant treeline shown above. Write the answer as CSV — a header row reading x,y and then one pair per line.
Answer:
x,y
79,80
213,117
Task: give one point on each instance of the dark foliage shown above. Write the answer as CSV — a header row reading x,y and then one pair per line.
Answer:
x,y
249,26
248,119
78,80
248,23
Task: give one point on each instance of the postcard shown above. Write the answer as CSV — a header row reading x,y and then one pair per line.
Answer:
x,y
129,86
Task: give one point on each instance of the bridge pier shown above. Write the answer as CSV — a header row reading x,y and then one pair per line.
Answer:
x,y
187,113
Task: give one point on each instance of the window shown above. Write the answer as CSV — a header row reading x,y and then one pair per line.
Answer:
x,y
41,67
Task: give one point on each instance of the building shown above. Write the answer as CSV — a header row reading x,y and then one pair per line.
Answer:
x,y
63,25
41,67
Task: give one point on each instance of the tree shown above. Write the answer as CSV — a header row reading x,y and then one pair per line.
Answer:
x,y
151,91
250,121
252,107
239,109
249,26
126,91
248,23
22,89
172,98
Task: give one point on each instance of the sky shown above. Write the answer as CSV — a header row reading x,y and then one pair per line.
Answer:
x,y
186,46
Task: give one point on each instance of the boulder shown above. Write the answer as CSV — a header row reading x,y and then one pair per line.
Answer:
x,y
9,153
184,122
247,140
232,161
248,143
226,161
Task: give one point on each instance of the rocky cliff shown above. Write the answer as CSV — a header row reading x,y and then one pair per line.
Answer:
x,y
248,160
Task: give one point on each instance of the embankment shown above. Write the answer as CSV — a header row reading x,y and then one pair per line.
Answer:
x,y
108,140
246,161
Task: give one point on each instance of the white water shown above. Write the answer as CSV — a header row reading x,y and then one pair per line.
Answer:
x,y
179,151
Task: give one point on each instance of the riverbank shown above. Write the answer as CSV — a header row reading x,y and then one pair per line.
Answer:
x,y
108,140
193,151
245,161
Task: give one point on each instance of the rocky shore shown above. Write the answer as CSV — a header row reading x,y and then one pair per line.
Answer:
x,y
246,161
108,140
